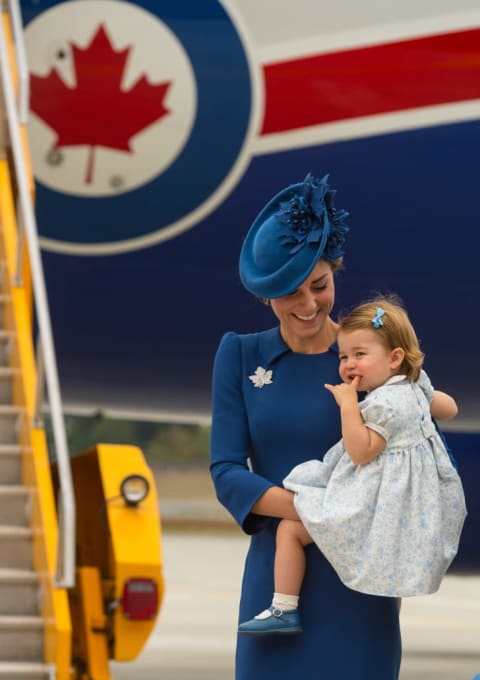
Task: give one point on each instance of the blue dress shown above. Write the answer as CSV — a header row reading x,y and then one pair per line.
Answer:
x,y
270,413
391,527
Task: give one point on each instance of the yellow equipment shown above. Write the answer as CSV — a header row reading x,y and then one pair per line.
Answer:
x,y
80,540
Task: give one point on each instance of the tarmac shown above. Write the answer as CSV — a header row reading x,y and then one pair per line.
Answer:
x,y
194,637
441,633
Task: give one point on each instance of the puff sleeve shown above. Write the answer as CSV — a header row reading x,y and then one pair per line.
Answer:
x,y
379,415
237,488
425,385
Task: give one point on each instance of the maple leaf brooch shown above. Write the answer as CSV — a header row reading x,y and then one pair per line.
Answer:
x,y
261,377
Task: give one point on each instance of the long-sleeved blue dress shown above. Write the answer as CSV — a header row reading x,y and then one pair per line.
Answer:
x,y
270,413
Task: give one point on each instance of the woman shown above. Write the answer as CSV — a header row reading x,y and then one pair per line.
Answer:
x,y
270,413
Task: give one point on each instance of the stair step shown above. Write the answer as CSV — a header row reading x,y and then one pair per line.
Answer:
x,y
18,670
16,547
8,623
7,376
18,575
7,339
11,463
10,422
19,592
21,638
4,301
15,505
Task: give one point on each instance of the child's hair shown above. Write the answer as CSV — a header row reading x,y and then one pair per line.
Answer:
x,y
393,327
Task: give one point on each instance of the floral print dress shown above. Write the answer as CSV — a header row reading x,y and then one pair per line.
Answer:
x,y
390,527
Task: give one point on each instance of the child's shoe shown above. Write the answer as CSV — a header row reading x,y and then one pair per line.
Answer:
x,y
272,620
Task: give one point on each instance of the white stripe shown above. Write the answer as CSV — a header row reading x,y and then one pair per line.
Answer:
x,y
368,126
323,43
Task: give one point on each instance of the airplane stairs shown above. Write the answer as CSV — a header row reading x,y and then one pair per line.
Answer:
x,y
35,626
21,626
27,512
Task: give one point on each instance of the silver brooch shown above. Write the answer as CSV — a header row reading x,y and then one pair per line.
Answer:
x,y
261,377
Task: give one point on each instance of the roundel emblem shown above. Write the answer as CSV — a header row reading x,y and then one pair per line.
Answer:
x,y
141,119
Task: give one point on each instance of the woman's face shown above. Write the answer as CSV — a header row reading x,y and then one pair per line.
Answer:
x,y
303,313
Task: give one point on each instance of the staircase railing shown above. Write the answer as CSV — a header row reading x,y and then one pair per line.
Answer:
x,y
45,355
13,8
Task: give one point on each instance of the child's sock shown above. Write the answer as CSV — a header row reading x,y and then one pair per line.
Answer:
x,y
285,602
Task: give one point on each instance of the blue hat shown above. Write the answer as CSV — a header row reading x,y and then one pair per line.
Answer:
x,y
292,232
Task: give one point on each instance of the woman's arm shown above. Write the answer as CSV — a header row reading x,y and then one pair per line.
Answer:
x,y
443,406
237,488
276,502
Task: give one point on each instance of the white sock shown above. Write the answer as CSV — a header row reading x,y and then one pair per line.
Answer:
x,y
285,602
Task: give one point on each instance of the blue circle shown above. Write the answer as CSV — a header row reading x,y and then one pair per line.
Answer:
x,y
222,121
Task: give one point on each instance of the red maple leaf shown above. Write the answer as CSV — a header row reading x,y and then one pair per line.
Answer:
x,y
96,112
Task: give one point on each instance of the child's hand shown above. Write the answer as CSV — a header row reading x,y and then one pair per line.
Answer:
x,y
345,393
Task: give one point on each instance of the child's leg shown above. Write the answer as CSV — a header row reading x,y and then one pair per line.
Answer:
x,y
289,570
282,616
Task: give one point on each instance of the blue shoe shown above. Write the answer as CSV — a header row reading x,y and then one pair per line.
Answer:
x,y
276,621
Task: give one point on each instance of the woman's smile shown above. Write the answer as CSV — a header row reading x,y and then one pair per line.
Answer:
x,y
304,317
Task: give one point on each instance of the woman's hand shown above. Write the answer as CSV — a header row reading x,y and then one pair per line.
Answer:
x,y
276,502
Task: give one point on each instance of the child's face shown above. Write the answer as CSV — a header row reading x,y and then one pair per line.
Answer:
x,y
363,354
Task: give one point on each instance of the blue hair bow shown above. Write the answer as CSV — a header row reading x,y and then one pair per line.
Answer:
x,y
377,319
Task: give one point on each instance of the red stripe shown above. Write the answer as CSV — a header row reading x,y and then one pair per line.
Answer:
x,y
372,80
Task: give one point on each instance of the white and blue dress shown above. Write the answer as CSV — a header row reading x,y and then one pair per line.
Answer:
x,y
390,527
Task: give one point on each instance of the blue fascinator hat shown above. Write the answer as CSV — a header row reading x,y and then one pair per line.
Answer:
x,y
293,231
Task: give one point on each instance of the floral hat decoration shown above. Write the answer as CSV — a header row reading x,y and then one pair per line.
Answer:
x,y
294,230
